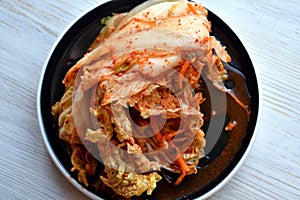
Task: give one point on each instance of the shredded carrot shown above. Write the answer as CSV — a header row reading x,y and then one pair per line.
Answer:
x,y
184,67
170,135
159,137
106,78
191,7
184,169
182,72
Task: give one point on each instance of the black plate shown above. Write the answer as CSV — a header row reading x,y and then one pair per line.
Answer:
x,y
71,47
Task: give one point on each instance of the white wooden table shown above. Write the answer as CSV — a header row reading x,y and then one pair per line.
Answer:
x,y
270,31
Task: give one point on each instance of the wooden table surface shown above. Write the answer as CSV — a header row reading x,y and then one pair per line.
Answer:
x,y
270,31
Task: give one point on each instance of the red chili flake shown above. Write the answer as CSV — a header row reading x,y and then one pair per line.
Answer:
x,y
133,54
196,41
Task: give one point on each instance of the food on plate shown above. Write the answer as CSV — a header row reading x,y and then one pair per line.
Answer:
x,y
132,104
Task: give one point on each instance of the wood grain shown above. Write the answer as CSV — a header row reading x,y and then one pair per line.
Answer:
x,y
270,31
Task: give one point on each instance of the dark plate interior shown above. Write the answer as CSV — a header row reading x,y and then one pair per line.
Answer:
x,y
212,169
